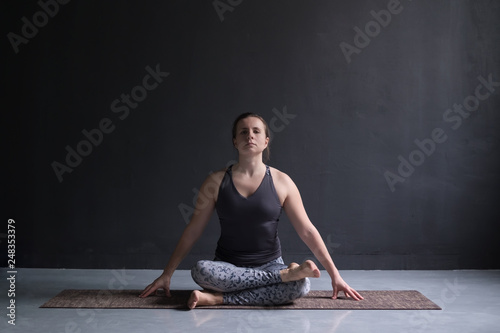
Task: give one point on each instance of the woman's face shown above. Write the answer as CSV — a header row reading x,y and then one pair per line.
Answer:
x,y
250,136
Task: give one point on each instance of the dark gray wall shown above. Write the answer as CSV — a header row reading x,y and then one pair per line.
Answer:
x,y
345,109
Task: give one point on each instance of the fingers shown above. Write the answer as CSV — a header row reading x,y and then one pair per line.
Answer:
x,y
335,292
148,291
144,292
353,293
151,289
154,287
348,292
357,296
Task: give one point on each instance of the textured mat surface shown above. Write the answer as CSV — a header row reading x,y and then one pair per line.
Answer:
x,y
315,300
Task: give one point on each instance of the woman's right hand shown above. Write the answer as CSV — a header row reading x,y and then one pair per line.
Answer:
x,y
162,282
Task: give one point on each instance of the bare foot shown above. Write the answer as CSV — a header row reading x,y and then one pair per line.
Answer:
x,y
296,272
199,297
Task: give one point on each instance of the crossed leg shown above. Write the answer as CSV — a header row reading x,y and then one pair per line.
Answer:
x,y
274,283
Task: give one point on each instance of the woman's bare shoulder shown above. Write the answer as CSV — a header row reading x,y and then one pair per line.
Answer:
x,y
280,177
217,175
210,186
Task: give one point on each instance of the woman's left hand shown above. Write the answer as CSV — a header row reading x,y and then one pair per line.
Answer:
x,y
339,285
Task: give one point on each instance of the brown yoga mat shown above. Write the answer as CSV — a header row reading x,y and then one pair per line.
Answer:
x,y
315,300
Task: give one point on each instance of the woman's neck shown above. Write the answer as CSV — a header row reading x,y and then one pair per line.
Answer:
x,y
250,165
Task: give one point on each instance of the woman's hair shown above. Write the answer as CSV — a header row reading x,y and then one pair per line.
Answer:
x,y
267,151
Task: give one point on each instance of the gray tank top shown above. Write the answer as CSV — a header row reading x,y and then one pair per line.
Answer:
x,y
249,226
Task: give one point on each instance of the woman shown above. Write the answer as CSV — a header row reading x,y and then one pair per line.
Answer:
x,y
249,197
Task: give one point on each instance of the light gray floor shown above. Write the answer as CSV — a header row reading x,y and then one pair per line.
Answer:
x,y
470,302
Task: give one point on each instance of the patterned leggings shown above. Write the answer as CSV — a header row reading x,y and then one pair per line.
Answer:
x,y
260,285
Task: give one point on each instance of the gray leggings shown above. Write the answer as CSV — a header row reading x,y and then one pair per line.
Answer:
x,y
260,285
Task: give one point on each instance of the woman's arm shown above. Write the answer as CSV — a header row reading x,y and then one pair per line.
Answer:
x,y
294,209
205,204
